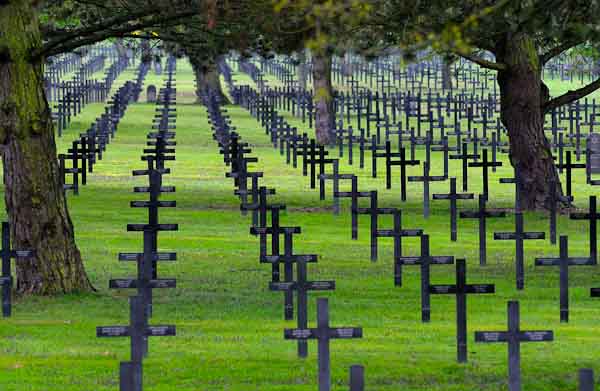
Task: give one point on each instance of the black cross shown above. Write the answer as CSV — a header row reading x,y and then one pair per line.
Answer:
x,y
241,177
403,163
591,216
6,253
513,337
288,257
301,286
446,149
569,166
398,233
564,261
153,205
519,236
259,205
586,380
453,196
425,260
375,147
335,177
316,155
323,333
138,330
357,378
465,156
426,178
274,230
373,211
482,214
461,289
354,195
485,165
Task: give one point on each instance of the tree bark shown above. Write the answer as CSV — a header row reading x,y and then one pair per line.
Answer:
x,y
522,97
323,96
208,79
447,74
302,72
34,195
146,51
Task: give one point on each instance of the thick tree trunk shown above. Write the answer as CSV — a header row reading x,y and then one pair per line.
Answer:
x,y
302,73
146,51
121,48
347,65
35,200
323,95
522,96
447,74
208,79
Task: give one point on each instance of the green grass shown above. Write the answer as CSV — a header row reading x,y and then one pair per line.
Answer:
x,y
230,327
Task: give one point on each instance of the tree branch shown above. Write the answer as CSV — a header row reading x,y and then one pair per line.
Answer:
x,y
495,66
571,96
106,29
557,51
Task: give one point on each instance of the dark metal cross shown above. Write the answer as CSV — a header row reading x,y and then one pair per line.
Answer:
x,y
564,261
301,286
513,337
482,215
592,216
398,233
485,164
403,163
569,166
453,196
426,179
461,289
586,380
519,236
425,260
6,253
465,156
335,177
138,330
323,333
354,195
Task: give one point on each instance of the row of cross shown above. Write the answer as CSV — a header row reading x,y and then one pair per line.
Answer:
x,y
254,199
312,154
160,148
90,146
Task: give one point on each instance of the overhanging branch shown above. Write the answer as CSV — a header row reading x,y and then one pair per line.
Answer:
x,y
557,51
110,28
482,62
571,96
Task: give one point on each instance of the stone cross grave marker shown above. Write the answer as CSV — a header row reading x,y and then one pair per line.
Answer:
x,y
519,236
425,260
564,261
514,336
453,197
461,289
324,334
6,254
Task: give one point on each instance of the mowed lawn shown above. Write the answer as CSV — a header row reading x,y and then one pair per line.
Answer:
x,y
230,326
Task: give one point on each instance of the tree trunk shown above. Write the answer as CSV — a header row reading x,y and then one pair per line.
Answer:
x,y
323,96
208,79
522,96
34,196
302,73
447,74
146,51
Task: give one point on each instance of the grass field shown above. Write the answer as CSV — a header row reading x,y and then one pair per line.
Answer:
x,y
230,326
